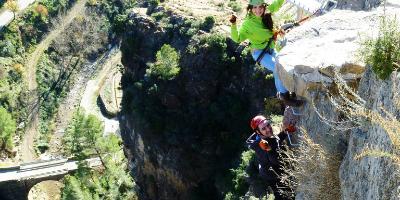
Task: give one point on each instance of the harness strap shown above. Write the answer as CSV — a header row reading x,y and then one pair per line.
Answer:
x,y
265,50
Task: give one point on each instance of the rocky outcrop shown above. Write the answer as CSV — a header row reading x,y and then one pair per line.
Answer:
x,y
324,44
373,177
306,64
358,4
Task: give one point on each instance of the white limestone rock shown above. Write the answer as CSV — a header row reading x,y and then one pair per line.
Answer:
x,y
325,43
358,4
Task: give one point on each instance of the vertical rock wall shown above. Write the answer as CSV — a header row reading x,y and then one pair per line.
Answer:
x,y
373,177
330,43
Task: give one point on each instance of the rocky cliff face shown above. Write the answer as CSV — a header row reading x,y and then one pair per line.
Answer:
x,y
184,134
307,64
358,4
373,177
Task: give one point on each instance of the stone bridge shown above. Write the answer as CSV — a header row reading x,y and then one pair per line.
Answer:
x,y
16,181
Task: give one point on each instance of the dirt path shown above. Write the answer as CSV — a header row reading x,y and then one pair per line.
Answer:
x,y
88,101
26,147
35,56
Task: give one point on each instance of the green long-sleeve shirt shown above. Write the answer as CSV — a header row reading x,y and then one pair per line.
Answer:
x,y
253,29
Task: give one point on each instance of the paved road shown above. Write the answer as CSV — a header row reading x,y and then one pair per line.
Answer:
x,y
7,16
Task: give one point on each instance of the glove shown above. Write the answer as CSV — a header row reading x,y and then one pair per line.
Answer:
x,y
291,128
276,33
264,145
233,19
275,36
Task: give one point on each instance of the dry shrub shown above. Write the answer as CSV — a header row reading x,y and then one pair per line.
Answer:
x,y
41,10
358,113
310,172
19,68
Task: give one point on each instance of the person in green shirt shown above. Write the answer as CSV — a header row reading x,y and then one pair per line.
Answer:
x,y
257,27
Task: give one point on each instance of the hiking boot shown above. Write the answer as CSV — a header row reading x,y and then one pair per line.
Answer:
x,y
292,95
283,96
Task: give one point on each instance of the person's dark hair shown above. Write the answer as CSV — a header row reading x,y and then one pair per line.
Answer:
x,y
266,17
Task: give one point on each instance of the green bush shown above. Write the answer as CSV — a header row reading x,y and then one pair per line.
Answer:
x,y
158,16
215,43
236,6
208,23
10,41
240,174
153,3
166,66
119,23
42,146
383,53
272,105
7,129
7,49
54,6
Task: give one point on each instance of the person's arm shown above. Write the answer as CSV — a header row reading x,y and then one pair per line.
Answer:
x,y
273,156
241,34
282,136
275,5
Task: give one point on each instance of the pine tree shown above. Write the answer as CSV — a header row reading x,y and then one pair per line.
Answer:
x,y
72,189
82,135
84,139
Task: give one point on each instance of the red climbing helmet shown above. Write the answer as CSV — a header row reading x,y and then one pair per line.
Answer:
x,y
256,121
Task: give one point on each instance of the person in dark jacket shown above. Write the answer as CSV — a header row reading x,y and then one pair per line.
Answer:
x,y
267,147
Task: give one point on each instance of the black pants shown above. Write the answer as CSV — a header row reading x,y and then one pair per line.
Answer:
x,y
281,192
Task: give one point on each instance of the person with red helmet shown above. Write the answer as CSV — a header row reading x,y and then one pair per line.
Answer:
x,y
267,147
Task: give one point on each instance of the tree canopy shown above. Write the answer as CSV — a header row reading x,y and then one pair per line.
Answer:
x,y
7,129
84,139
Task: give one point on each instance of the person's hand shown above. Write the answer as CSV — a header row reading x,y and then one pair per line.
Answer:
x,y
233,19
291,128
280,32
264,145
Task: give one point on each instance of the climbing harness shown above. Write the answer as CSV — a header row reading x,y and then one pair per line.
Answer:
x,y
265,50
